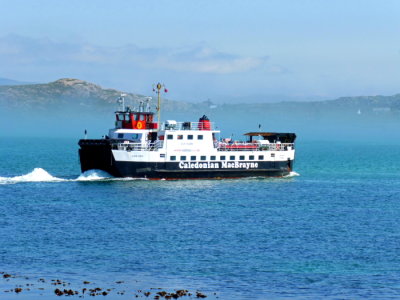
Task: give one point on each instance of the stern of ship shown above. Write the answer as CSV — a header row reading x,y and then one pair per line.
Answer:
x,y
96,154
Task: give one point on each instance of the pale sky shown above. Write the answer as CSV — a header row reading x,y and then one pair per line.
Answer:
x,y
272,50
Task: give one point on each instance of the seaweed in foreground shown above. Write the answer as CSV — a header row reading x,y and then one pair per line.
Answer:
x,y
62,288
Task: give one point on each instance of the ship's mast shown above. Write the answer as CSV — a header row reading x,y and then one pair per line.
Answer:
x,y
158,89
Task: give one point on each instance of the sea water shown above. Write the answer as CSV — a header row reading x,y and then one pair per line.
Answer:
x,y
330,230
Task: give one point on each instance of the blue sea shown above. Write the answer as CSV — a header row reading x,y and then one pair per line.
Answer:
x,y
330,230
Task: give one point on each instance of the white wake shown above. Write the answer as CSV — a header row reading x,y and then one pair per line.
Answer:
x,y
292,174
93,175
41,175
37,175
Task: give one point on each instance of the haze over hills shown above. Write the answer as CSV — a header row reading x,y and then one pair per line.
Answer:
x,y
82,94
7,81
75,104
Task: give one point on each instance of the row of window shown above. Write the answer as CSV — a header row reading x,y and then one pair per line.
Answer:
x,y
222,157
136,117
180,137
130,136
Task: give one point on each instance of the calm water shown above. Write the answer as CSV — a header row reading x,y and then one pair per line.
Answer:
x,y
332,232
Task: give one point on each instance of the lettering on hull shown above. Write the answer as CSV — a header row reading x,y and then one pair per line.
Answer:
x,y
217,165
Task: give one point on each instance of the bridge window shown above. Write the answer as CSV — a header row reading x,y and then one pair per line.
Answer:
x,y
241,157
190,137
120,135
232,157
193,157
212,157
173,157
183,157
222,157
272,154
261,157
180,137
203,157
200,137
170,136
251,157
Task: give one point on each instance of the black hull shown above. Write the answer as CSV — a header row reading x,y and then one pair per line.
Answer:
x,y
96,154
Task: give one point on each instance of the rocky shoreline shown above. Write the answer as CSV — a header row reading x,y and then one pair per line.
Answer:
x,y
17,284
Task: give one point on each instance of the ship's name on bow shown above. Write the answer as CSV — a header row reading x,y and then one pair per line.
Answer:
x,y
217,165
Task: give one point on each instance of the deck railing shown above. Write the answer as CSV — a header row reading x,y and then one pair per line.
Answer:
x,y
188,126
130,146
245,146
237,146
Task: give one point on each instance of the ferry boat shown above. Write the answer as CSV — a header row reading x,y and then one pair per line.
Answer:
x,y
139,147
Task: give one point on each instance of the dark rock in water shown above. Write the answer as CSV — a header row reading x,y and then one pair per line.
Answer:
x,y
200,295
181,293
162,293
95,290
58,282
69,292
58,292
86,282
18,290
6,275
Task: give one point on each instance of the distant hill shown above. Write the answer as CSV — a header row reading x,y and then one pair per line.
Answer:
x,y
79,95
362,105
67,93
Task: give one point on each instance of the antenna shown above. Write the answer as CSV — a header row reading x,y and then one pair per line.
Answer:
x,y
141,105
121,102
148,99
